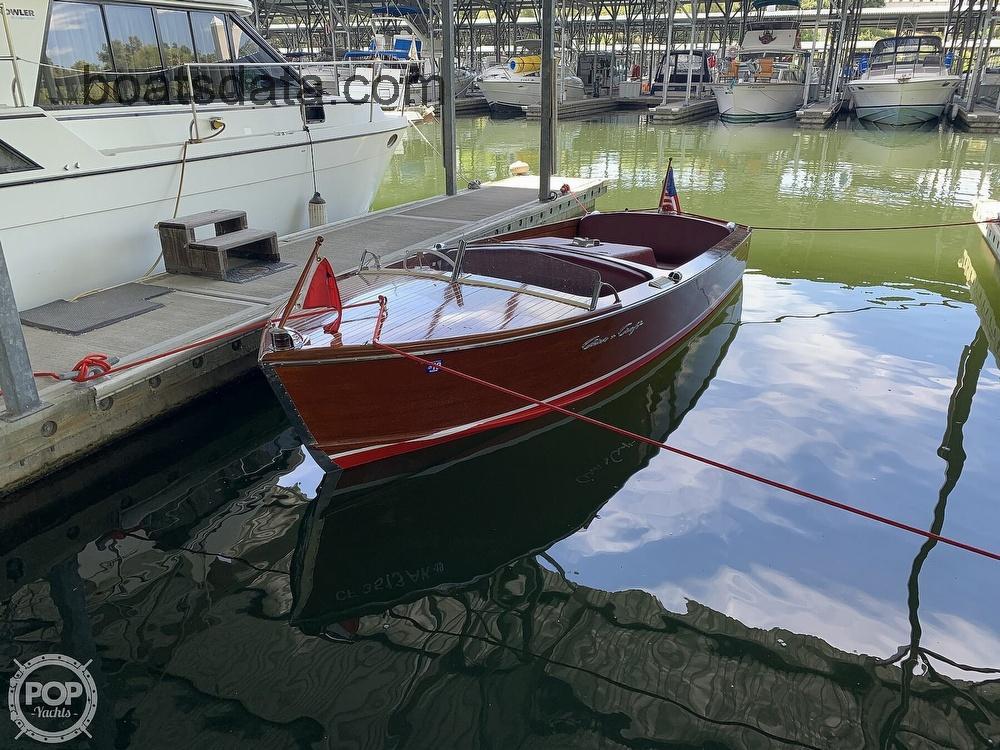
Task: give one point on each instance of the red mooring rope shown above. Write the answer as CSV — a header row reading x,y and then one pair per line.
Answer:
x,y
901,228
701,459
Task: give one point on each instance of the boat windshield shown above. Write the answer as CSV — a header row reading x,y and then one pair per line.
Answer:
x,y
911,52
521,265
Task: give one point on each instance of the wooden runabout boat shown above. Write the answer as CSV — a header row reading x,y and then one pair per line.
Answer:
x,y
555,312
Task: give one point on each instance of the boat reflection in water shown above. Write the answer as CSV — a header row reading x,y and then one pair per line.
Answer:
x,y
232,608
481,619
366,544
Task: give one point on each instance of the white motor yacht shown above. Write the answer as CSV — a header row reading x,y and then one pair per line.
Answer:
x,y
906,82
517,84
100,138
766,80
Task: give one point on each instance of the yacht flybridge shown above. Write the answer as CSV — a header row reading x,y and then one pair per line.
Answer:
x,y
906,82
101,137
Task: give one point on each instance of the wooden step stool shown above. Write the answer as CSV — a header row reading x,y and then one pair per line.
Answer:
x,y
183,253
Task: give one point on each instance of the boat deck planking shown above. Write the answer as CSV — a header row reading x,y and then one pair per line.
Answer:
x,y
422,307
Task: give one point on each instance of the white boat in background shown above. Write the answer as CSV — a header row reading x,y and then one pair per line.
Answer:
x,y
766,80
987,212
517,84
91,159
906,82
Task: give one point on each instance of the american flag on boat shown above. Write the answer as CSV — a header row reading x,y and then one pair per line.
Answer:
x,y
670,202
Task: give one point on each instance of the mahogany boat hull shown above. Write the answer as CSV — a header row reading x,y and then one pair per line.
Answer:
x,y
369,405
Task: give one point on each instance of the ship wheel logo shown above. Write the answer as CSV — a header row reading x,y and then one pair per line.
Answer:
x,y
767,37
58,704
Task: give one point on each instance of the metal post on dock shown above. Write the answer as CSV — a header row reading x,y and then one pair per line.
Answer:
x,y
671,8
448,95
836,73
547,145
16,379
987,26
690,56
333,47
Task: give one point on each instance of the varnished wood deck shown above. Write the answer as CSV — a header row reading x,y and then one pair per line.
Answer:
x,y
423,308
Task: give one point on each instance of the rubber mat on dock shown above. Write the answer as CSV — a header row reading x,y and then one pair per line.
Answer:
x,y
96,310
251,271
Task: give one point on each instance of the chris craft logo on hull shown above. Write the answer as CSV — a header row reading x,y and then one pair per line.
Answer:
x,y
626,330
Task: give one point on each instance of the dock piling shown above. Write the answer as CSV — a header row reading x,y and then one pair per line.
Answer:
x,y
546,156
16,379
448,95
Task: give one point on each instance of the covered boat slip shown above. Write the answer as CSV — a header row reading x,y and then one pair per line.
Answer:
x,y
85,416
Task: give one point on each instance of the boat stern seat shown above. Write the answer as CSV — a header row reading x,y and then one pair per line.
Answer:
x,y
675,238
634,253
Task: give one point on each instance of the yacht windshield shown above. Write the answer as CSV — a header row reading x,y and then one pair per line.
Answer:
x,y
908,52
120,54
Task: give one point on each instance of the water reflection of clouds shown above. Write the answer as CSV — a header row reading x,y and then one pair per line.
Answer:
x,y
830,413
853,406
307,476
843,616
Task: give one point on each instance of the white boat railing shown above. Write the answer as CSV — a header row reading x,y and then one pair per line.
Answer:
x,y
11,57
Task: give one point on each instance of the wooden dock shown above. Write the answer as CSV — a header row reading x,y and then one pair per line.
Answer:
x,y
82,417
470,106
589,107
677,111
978,119
817,115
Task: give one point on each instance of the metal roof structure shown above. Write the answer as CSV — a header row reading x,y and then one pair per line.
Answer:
x,y
637,30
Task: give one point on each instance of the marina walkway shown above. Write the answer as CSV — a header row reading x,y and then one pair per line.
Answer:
x,y
84,416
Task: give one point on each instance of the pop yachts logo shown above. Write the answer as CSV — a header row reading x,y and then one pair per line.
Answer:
x,y
626,330
52,698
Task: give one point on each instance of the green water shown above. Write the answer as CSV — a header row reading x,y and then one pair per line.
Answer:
x,y
556,586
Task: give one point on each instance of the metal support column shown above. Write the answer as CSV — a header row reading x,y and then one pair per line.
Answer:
x,y
671,8
448,95
987,25
16,380
836,72
690,58
547,146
